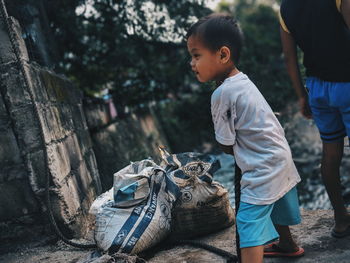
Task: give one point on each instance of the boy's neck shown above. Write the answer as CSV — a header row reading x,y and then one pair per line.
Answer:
x,y
231,73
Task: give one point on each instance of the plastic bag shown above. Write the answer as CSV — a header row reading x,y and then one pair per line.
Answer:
x,y
140,220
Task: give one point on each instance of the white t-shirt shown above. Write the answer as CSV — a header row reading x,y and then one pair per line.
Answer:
x,y
243,118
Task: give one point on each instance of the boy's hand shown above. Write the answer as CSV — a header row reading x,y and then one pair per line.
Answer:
x,y
305,107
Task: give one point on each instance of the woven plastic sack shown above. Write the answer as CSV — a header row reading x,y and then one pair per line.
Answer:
x,y
136,214
204,206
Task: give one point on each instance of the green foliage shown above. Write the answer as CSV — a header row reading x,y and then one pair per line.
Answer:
x,y
135,48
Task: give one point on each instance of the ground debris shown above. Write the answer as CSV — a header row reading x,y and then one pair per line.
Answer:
x,y
113,258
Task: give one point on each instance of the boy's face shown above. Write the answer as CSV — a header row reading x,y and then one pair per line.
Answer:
x,y
205,63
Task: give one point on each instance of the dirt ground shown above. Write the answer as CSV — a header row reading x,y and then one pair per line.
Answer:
x,y
54,253
313,234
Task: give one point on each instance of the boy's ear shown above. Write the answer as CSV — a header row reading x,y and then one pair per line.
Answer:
x,y
225,54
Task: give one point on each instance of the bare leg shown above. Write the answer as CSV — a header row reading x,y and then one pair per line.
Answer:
x,y
286,241
331,159
252,254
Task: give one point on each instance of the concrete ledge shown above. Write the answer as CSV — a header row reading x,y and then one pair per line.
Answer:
x,y
313,234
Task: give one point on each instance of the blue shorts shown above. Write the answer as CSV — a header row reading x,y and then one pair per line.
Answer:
x,y
255,223
330,106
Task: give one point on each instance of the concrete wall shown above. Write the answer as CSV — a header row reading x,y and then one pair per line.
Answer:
x,y
118,142
55,107
43,128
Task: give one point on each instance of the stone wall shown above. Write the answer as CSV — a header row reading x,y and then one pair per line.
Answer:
x,y
42,126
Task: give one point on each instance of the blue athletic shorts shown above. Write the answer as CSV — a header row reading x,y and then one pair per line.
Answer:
x,y
330,106
255,223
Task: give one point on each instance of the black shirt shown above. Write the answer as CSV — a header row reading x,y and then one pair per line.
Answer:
x,y
321,32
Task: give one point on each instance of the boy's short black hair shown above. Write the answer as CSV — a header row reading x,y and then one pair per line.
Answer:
x,y
217,30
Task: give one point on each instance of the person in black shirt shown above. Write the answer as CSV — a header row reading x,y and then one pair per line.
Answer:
x,y
321,29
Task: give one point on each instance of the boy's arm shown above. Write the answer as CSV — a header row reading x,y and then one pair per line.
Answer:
x,y
228,149
345,11
291,60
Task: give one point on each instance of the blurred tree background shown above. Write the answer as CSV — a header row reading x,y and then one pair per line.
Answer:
x,y
136,50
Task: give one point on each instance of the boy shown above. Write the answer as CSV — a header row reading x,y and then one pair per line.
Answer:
x,y
246,127
321,29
